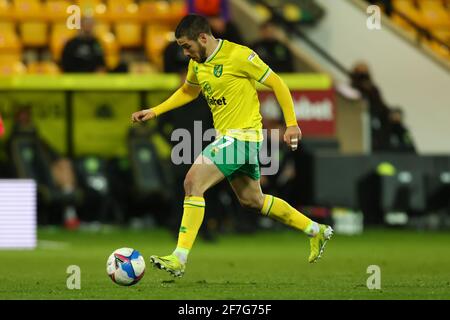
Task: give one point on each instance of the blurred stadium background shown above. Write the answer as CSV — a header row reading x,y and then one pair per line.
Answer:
x,y
77,177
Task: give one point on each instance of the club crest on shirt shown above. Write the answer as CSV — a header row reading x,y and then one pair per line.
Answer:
x,y
218,69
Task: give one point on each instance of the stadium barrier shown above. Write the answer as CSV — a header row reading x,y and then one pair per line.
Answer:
x,y
90,114
379,185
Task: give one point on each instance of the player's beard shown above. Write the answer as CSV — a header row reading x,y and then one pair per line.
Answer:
x,y
201,53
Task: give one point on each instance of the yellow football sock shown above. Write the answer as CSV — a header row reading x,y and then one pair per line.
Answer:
x,y
194,210
281,210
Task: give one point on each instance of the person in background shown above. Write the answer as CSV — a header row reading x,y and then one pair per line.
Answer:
x,y
272,50
83,53
398,137
224,29
174,59
361,80
62,173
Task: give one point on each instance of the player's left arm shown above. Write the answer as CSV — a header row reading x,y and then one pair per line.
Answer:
x,y
293,133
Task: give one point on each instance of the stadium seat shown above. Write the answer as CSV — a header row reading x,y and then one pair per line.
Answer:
x,y
9,41
129,34
26,10
403,24
6,12
407,8
110,47
83,3
32,25
263,12
94,7
123,10
112,61
146,165
101,28
56,10
43,67
10,58
142,68
156,39
7,26
439,49
59,36
99,205
8,68
161,11
443,35
434,14
34,34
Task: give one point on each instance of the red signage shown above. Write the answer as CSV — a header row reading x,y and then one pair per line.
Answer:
x,y
2,128
315,110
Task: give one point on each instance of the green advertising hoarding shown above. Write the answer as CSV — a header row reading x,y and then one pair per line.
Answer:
x,y
102,121
48,110
89,114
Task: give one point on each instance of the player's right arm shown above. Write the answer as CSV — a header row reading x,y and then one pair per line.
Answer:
x,y
188,92
182,96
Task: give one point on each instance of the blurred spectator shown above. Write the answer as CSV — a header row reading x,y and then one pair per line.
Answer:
x,y
379,111
174,59
218,14
210,8
83,53
398,138
224,29
52,172
270,48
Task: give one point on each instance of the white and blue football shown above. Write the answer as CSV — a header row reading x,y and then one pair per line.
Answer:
x,y
125,266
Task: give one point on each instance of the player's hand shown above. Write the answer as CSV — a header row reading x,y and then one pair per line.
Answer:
x,y
292,137
143,115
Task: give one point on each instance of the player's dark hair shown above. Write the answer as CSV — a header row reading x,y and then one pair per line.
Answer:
x,y
191,26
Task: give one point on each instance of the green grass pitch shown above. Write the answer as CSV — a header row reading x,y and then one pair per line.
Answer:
x,y
266,265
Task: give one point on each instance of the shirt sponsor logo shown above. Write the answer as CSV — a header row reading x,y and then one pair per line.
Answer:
x,y
216,102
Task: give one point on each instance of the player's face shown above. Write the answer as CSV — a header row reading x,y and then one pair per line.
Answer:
x,y
193,49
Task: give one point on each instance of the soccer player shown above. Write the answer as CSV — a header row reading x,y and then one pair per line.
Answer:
x,y
226,73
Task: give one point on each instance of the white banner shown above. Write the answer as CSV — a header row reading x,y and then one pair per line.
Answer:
x,y
18,214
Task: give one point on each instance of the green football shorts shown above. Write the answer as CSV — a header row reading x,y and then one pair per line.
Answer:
x,y
234,157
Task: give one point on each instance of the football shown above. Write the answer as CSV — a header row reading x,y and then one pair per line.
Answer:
x,y
125,266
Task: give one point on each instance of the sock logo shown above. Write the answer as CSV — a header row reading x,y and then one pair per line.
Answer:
x,y
183,229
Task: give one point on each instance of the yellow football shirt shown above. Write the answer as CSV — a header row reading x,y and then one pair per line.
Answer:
x,y
228,82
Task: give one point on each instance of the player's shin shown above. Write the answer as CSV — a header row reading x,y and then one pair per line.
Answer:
x,y
280,210
194,210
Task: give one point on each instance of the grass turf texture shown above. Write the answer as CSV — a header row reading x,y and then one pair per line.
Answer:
x,y
258,266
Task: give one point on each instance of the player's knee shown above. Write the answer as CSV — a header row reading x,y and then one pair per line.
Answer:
x,y
191,188
252,203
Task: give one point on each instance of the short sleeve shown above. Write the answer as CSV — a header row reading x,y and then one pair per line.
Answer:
x,y
253,66
191,77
